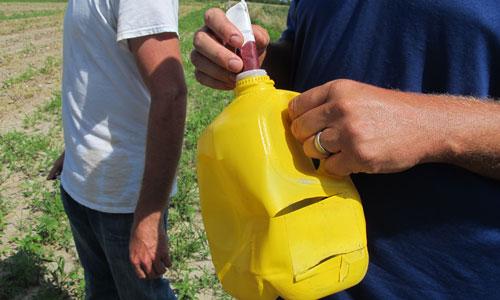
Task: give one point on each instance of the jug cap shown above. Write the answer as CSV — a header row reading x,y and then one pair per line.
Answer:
x,y
256,72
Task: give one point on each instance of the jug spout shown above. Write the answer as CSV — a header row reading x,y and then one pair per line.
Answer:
x,y
252,81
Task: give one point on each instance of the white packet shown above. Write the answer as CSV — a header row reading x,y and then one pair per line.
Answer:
x,y
239,16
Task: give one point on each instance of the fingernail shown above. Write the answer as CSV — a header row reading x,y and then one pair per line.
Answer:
x,y
235,40
235,65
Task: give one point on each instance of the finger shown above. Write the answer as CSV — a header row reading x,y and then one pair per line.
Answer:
x,y
142,267
207,67
166,259
52,175
311,151
149,270
328,140
168,262
309,123
217,21
262,38
211,82
307,101
54,172
159,267
138,270
157,264
207,45
338,164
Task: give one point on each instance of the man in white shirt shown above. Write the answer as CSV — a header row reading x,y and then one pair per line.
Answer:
x,y
124,106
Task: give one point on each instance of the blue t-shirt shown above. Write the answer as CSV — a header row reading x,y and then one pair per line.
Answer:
x,y
433,230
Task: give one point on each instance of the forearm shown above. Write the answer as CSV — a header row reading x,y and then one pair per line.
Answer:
x,y
471,135
159,61
277,63
163,150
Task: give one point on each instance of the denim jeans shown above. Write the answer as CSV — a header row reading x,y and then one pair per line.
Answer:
x,y
102,242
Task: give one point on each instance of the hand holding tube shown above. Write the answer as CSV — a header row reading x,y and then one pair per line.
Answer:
x,y
216,63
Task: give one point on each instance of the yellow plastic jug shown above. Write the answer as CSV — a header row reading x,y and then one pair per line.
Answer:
x,y
275,225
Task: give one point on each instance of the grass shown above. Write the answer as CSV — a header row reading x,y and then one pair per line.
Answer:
x,y
39,255
30,14
34,1
50,64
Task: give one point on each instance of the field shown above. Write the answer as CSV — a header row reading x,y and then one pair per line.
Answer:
x,y
37,256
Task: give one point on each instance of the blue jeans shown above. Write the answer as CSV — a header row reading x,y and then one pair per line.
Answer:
x,y
102,242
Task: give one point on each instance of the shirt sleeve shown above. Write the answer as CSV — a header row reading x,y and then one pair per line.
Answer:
x,y
146,17
289,33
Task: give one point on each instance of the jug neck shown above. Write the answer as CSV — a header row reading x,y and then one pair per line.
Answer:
x,y
251,81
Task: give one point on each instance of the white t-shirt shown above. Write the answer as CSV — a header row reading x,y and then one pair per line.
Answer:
x,y
105,102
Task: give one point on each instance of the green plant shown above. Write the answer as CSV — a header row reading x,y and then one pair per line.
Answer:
x,y
49,65
34,1
185,289
29,14
22,270
18,146
58,281
272,18
28,48
3,210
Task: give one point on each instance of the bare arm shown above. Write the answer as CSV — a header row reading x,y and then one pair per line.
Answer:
x,y
57,167
471,137
376,130
158,58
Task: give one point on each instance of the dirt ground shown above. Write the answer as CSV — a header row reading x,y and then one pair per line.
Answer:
x,y
25,44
